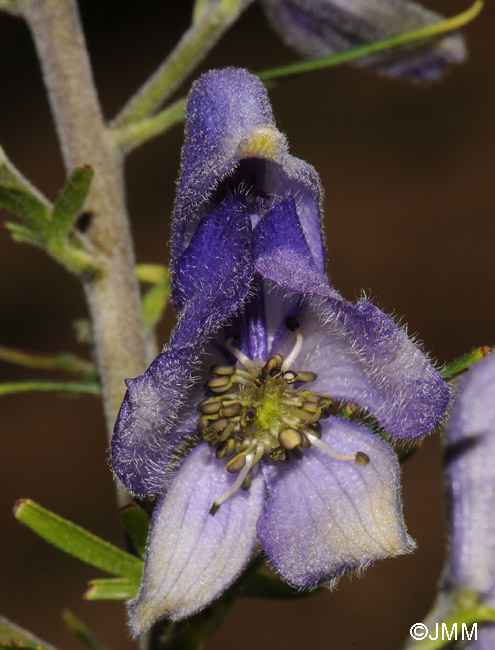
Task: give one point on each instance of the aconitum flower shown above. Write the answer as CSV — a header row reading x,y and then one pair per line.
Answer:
x,y
470,474
232,423
321,27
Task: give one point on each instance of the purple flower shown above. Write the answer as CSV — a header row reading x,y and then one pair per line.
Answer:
x,y
241,395
470,472
320,27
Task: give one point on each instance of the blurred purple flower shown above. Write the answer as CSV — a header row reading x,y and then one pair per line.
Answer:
x,y
321,27
470,472
260,324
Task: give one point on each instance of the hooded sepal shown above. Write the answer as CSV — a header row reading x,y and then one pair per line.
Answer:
x,y
232,147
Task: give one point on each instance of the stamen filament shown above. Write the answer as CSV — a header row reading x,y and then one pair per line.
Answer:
x,y
235,485
240,356
293,354
328,450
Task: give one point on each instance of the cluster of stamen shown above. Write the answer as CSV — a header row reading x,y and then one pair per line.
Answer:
x,y
254,411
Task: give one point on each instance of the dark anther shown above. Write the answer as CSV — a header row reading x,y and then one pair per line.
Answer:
x,y
231,411
298,452
248,416
315,429
273,362
219,425
214,508
211,407
290,438
361,458
292,323
210,435
84,220
275,372
222,371
246,484
260,380
278,453
304,375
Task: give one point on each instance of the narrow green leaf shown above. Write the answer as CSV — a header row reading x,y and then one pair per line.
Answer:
x,y
82,631
407,39
18,196
62,361
136,523
154,303
450,370
76,541
69,203
23,234
266,585
13,636
24,205
112,589
62,387
152,273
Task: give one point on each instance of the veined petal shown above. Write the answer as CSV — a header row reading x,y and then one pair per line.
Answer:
x,y
232,142
325,516
214,272
470,473
281,252
192,555
147,432
156,411
320,27
361,355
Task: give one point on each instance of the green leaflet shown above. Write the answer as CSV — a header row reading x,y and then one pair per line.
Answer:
x,y
111,589
136,523
76,541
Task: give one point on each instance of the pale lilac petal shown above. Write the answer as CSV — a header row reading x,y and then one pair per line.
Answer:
x,y
470,469
325,517
320,27
193,556
361,355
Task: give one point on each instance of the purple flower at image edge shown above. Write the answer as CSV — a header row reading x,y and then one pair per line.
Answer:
x,y
321,27
233,424
470,483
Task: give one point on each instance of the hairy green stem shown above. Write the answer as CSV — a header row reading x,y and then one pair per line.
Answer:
x,y
113,294
135,134
197,41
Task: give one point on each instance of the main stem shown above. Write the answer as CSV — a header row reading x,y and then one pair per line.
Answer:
x,y
112,296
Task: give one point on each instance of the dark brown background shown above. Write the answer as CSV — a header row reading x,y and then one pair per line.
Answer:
x,y
408,174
